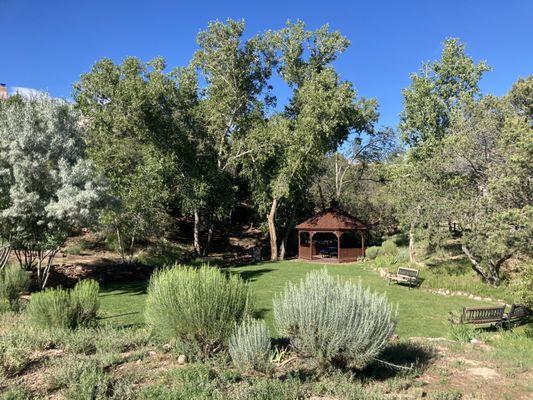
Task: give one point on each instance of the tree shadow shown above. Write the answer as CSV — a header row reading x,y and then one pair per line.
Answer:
x,y
134,288
400,358
252,275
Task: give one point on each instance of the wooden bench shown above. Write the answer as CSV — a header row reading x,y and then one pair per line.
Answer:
x,y
517,314
405,275
483,315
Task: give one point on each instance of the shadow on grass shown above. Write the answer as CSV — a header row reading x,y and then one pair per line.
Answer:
x,y
135,288
400,358
253,275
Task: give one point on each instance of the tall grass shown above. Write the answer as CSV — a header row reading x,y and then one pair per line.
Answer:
x,y
200,306
334,322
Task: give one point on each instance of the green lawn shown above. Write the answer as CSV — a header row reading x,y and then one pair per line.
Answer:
x,y
419,313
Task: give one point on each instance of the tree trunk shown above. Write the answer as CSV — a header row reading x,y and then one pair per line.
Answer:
x,y
286,235
210,227
412,255
196,232
272,230
475,264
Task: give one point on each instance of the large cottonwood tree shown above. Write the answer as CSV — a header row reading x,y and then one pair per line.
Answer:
x,y
322,111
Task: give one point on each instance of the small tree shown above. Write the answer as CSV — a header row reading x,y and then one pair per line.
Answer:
x,y
46,187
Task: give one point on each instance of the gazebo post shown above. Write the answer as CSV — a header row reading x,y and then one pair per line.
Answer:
x,y
362,243
299,243
338,234
311,233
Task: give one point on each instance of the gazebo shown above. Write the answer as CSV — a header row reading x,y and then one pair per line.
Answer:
x,y
331,235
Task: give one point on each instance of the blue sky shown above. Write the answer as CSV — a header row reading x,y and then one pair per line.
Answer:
x,y
46,45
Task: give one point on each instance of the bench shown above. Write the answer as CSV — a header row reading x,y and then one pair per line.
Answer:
x,y
483,315
405,275
517,314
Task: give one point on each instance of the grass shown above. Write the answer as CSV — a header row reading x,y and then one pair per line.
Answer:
x,y
419,313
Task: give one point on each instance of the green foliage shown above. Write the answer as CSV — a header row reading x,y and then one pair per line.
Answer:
x,y
51,308
372,252
249,345
13,282
463,332
17,393
389,248
524,285
90,382
449,395
59,308
334,322
440,87
197,305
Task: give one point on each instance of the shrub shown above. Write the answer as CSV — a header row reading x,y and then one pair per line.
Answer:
x,y
196,305
85,302
372,252
249,346
389,248
91,383
13,282
59,308
462,332
524,285
334,322
50,308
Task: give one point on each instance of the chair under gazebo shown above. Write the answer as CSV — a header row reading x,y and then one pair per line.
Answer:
x,y
331,235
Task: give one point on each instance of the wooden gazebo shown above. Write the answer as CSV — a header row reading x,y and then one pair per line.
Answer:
x,y
331,235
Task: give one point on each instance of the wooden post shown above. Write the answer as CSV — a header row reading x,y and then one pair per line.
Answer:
x,y
311,244
362,243
299,244
338,234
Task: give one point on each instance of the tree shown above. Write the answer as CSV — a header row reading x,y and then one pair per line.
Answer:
x,y
322,112
435,92
488,160
236,72
47,188
131,114
434,96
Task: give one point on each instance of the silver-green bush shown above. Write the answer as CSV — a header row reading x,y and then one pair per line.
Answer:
x,y
13,282
59,308
200,306
389,248
372,252
249,345
334,322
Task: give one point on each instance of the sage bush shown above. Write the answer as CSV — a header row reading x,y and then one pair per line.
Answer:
x,y
200,306
60,308
334,322
371,252
389,247
249,346
13,282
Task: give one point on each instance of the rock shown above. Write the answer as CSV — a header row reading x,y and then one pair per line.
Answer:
x,y
471,296
182,359
167,346
476,341
152,353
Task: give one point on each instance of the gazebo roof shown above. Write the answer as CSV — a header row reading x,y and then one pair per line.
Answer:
x,y
332,219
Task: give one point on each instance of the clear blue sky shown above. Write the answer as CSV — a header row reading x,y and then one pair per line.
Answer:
x,y
46,45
